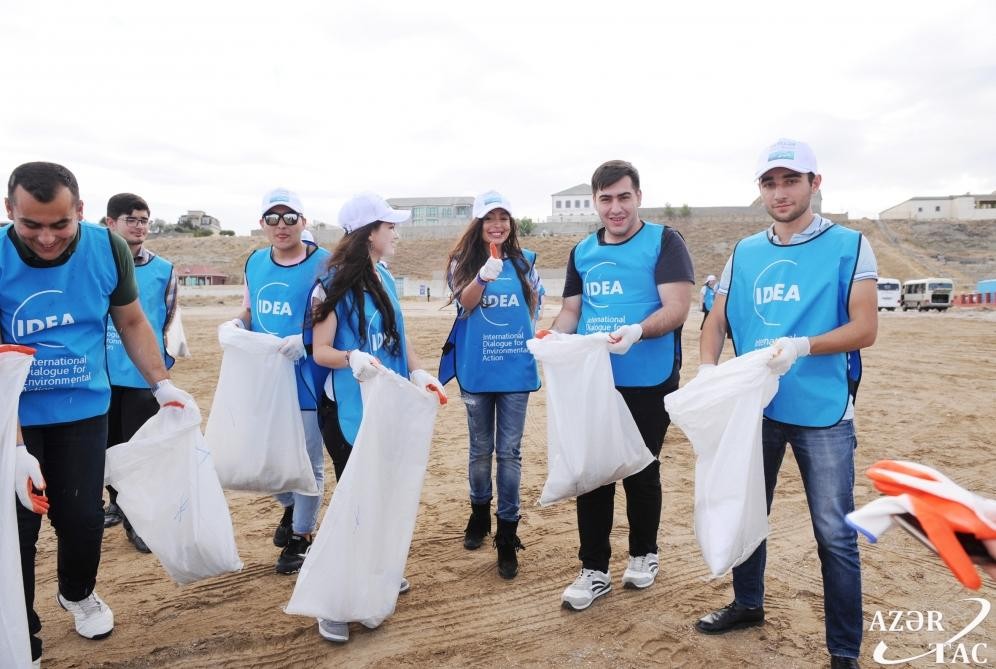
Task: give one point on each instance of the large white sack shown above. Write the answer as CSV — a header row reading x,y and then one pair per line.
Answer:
x,y
592,439
15,651
176,338
169,490
255,431
721,415
354,568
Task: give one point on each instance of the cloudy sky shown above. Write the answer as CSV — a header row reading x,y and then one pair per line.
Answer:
x,y
206,105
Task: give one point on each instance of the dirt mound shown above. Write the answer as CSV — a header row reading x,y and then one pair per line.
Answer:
x,y
965,252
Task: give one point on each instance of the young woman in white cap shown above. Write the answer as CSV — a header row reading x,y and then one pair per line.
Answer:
x,y
358,324
497,292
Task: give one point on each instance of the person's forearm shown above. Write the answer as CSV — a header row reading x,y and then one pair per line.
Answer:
x,y
20,436
333,358
713,335
246,317
666,319
848,337
470,296
143,348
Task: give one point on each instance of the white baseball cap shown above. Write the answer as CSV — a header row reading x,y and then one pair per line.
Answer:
x,y
281,196
711,277
367,208
307,237
487,202
787,153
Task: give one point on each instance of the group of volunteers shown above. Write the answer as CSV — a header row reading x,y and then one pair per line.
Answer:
x,y
94,381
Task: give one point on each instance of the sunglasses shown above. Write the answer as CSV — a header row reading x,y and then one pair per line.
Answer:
x,y
290,218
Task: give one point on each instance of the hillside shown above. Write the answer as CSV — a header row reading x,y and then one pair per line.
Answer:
x,y
965,252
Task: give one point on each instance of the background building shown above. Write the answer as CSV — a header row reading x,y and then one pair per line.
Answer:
x,y
196,219
965,207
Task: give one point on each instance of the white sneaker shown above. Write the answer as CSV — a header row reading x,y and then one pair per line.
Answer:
x,y
333,631
641,572
94,619
405,586
36,664
586,588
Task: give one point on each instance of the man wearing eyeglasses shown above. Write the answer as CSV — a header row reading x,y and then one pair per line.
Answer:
x,y
132,402
279,279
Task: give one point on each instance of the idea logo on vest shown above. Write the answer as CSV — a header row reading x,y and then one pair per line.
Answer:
x,y
776,292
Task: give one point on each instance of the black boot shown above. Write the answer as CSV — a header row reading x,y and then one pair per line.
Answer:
x,y
507,543
478,527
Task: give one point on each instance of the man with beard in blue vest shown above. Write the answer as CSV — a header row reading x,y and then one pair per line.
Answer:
x,y
633,279
807,287
132,402
279,279
60,279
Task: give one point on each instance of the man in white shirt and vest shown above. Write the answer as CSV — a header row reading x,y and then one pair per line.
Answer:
x,y
808,287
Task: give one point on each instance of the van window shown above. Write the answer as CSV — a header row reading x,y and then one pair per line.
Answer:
x,y
888,286
940,285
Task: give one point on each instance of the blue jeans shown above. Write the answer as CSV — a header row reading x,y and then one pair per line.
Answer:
x,y
306,506
495,422
826,463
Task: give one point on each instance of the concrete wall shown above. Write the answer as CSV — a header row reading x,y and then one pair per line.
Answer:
x,y
954,209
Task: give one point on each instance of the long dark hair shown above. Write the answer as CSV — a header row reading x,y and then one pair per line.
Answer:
x,y
353,272
470,253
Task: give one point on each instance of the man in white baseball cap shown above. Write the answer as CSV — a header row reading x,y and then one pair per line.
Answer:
x,y
278,280
366,208
806,287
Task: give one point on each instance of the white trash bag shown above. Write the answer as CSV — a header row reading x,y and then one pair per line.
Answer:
x,y
592,439
176,338
255,431
354,568
721,415
15,651
169,490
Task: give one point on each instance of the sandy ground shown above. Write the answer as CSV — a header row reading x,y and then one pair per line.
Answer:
x,y
927,395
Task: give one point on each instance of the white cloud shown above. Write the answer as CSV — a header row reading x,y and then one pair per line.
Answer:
x,y
206,105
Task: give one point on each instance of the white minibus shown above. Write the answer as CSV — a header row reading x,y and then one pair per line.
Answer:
x,y
889,291
922,294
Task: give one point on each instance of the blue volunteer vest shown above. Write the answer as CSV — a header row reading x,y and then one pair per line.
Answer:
x,y
710,298
61,312
618,288
488,352
279,303
153,284
800,290
347,337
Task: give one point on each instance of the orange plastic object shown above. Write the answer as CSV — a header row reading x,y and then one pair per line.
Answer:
x,y
939,516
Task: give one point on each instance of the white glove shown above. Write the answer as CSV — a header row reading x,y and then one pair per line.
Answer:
x,y
786,351
424,380
292,347
364,365
168,394
622,339
705,370
492,268
27,473
234,323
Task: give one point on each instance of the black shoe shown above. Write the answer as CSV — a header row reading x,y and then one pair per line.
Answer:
x,y
507,543
283,532
729,618
838,662
112,514
292,556
136,540
478,527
